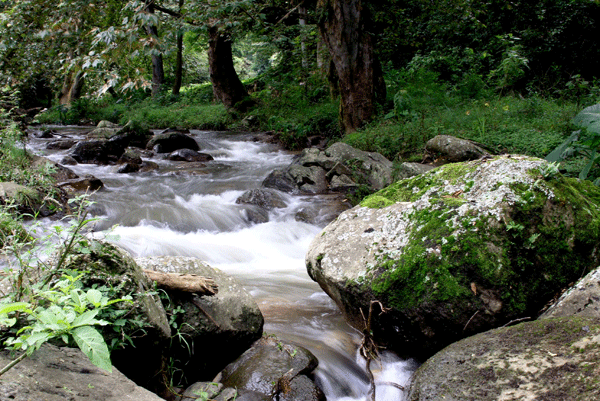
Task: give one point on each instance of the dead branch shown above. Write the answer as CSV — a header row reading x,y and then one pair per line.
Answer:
x,y
516,321
368,348
474,314
183,282
290,12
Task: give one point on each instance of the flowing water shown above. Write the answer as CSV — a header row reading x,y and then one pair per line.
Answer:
x,y
186,211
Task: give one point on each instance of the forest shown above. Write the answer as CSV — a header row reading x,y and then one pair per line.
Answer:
x,y
343,93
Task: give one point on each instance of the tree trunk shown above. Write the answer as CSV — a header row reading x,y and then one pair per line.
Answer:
x,y
179,59
158,72
361,85
71,89
302,22
227,86
178,65
183,282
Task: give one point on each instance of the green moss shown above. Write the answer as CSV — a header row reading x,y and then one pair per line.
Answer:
x,y
524,266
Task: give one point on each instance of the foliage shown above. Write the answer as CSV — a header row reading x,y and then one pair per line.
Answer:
x,y
583,143
61,310
507,124
39,307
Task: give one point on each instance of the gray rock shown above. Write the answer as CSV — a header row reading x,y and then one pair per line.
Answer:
x,y
188,155
61,144
274,367
264,198
554,359
454,149
107,124
229,321
374,167
201,390
148,166
310,180
458,250
68,161
59,374
583,299
97,152
103,133
131,156
127,168
279,180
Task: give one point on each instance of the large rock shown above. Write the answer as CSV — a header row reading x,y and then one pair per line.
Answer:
x,y
458,250
555,359
216,329
171,141
131,134
98,151
147,323
272,369
58,172
340,168
452,149
188,155
59,374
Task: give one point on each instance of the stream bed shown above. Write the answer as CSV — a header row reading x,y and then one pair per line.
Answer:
x,y
187,210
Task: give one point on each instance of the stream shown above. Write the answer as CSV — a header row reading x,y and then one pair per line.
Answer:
x,y
183,211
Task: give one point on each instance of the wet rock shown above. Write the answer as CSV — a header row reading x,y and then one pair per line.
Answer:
x,y
583,299
61,144
131,156
340,168
452,149
82,184
59,374
217,328
44,134
148,166
458,250
126,168
264,198
209,391
279,180
68,161
554,359
188,155
102,133
272,367
170,142
97,152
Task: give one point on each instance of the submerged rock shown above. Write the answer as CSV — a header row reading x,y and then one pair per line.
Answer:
x,y
555,359
458,250
188,155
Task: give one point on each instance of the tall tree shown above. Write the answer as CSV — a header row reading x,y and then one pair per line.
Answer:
x,y
158,72
227,86
342,24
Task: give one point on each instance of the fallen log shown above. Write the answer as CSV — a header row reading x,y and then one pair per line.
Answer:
x,y
183,282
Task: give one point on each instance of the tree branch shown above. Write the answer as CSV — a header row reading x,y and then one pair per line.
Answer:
x,y
290,12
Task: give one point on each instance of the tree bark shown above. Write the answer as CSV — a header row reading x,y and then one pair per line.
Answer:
x,y
179,59
227,86
361,85
72,87
183,282
158,72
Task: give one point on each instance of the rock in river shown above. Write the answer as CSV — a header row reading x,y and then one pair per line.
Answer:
x,y
461,249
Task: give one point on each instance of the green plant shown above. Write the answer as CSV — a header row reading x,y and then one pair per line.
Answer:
x,y
40,307
61,310
584,142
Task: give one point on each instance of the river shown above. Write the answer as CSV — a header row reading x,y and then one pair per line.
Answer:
x,y
193,212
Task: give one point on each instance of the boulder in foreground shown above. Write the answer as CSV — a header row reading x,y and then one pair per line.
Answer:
x,y
459,250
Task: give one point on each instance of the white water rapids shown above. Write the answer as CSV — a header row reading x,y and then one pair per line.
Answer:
x,y
175,212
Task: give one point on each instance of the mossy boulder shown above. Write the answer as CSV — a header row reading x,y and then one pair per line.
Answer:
x,y
555,359
461,249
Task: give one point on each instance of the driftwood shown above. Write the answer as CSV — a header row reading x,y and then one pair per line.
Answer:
x,y
183,282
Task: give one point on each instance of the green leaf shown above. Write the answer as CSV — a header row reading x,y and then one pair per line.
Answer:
x,y
93,345
558,154
94,297
13,307
86,318
589,118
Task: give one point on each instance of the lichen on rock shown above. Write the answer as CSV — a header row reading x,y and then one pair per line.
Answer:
x,y
461,249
